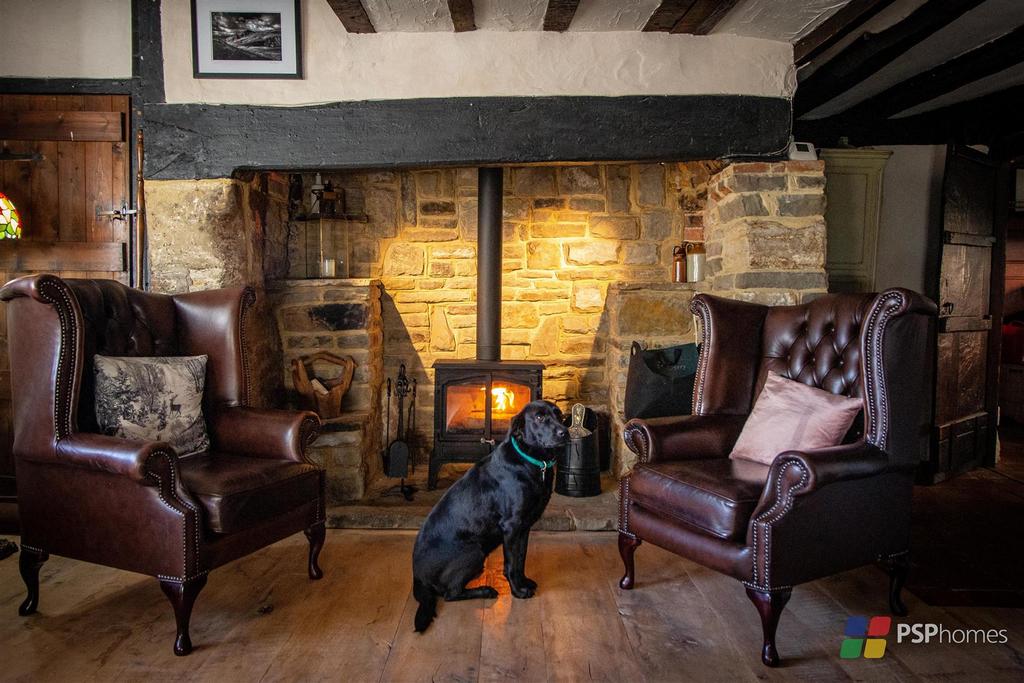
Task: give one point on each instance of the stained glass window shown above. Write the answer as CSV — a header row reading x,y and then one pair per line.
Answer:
x,y
10,221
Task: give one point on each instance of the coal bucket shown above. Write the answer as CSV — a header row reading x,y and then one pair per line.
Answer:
x,y
579,466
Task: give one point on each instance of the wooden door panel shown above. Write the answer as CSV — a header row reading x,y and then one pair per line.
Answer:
x,y
58,195
963,392
966,273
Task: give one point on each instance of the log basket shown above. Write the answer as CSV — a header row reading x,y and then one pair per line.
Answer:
x,y
326,404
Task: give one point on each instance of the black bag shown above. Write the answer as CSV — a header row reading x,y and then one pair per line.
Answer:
x,y
660,381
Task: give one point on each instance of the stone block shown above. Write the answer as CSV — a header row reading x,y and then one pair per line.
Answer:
x,y
382,207
521,315
650,191
403,259
542,254
640,253
615,227
437,183
781,280
327,317
453,252
618,184
806,182
593,252
587,204
587,296
437,208
748,182
579,180
435,234
645,314
656,225
772,245
441,337
558,229
534,181
802,204
741,206
441,269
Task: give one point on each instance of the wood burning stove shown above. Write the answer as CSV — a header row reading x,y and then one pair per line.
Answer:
x,y
475,400
474,403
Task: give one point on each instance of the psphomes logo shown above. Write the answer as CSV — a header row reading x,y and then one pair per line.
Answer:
x,y
865,637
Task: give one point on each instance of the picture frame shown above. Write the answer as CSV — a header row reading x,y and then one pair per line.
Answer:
x,y
246,39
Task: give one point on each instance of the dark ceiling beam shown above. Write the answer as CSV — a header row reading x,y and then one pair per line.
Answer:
x,y
983,120
462,15
559,14
872,51
703,16
990,58
353,15
835,28
668,14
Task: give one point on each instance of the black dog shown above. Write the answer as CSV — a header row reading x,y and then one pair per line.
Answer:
x,y
494,503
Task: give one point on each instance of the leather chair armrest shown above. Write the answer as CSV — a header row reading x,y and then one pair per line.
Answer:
x,y
685,437
796,473
264,433
111,454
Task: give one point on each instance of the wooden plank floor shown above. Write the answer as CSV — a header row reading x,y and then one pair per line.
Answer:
x,y
261,619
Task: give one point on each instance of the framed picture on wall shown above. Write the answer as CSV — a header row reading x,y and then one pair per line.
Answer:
x,y
246,39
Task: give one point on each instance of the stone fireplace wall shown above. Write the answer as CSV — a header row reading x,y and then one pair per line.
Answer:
x,y
587,263
570,233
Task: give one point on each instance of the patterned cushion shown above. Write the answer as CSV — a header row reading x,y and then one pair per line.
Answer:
x,y
153,399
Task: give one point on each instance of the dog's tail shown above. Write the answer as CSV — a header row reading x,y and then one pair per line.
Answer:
x,y
428,604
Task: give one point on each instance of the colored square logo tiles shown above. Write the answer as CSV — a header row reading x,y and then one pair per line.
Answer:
x,y
865,637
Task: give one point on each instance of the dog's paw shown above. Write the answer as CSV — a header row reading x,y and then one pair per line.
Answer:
x,y
529,583
523,592
488,592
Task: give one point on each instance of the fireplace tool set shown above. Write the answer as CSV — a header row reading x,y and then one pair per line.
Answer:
x,y
397,455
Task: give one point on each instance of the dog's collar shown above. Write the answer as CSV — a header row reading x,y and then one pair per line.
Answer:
x,y
542,464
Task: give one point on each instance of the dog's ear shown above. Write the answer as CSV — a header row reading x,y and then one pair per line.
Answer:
x,y
518,427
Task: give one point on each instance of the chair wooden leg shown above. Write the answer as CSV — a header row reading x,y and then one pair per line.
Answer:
x,y
29,562
627,546
182,595
316,535
898,567
769,605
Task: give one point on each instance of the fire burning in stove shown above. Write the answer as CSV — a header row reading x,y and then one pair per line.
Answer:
x,y
504,400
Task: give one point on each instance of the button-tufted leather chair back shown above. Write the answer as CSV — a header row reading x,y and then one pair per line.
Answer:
x,y
817,343
119,321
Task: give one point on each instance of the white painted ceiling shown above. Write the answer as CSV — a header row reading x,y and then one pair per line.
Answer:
x,y
781,20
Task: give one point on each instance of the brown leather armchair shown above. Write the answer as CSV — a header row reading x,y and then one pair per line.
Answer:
x,y
810,514
136,505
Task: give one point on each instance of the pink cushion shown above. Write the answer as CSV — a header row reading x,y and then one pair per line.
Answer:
x,y
791,416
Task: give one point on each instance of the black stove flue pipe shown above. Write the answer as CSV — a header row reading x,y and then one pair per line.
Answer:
x,y
488,264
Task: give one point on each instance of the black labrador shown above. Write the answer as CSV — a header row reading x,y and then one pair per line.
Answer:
x,y
494,503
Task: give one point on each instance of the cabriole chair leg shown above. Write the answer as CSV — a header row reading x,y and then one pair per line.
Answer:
x,y
769,605
182,595
316,535
898,567
29,564
627,546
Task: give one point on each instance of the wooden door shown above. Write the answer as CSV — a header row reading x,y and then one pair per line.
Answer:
x,y
64,162
965,410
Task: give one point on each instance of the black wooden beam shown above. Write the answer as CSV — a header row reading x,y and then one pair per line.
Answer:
x,y
988,59
66,86
559,14
462,15
668,14
703,16
983,120
872,51
147,51
210,141
353,15
835,28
